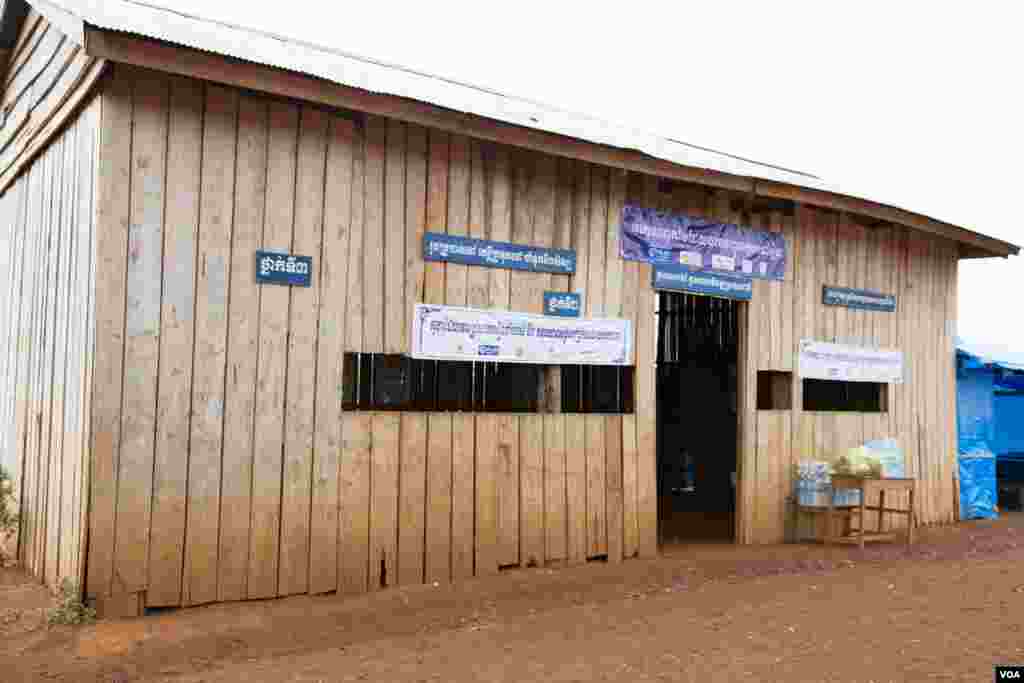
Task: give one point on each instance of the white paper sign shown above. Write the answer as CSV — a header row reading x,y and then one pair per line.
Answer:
x,y
453,333
822,360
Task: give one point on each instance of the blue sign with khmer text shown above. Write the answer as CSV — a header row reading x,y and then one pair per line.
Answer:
x,y
863,299
283,269
563,304
475,252
683,279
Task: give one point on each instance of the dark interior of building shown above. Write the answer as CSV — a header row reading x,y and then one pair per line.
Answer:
x,y
697,424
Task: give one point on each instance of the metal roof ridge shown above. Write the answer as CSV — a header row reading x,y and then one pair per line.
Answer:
x,y
461,84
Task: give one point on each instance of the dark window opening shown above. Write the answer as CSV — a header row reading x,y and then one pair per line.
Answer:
x,y
391,386
824,395
377,381
597,389
511,388
774,390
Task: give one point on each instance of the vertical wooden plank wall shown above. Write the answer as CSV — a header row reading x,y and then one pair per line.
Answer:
x,y
825,247
47,214
281,491
837,249
174,383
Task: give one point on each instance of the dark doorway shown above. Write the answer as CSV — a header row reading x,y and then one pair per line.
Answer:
x,y
697,423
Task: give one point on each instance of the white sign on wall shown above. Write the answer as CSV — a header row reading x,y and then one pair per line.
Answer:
x,y
468,334
822,360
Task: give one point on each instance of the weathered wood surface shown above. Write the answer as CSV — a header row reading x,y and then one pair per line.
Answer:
x,y
283,492
49,258
130,49
47,79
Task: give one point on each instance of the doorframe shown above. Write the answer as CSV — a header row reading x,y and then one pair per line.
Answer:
x,y
746,424
746,421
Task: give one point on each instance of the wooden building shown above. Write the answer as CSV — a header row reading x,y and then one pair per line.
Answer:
x,y
182,434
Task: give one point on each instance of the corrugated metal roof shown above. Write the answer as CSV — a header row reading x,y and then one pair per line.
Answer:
x,y
990,355
158,21
168,24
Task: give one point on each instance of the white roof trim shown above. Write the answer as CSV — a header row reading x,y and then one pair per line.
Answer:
x,y
70,25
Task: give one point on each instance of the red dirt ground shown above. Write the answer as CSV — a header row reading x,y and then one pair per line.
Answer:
x,y
948,609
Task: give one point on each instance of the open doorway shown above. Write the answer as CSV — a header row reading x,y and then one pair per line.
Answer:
x,y
697,417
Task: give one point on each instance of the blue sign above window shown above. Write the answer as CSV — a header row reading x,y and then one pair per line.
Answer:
x,y
683,279
862,299
563,304
474,252
283,269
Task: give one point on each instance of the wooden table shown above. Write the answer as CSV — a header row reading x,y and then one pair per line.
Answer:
x,y
867,487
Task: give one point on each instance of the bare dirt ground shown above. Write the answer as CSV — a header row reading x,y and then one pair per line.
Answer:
x,y
948,609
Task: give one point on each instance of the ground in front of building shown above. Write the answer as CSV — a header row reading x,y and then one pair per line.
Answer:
x,y
948,609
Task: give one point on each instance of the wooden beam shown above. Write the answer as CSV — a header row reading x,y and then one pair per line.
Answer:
x,y
122,47
864,207
44,130
113,205
130,49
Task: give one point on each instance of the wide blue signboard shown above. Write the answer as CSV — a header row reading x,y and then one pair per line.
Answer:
x,y
564,304
683,279
863,299
283,269
476,252
660,237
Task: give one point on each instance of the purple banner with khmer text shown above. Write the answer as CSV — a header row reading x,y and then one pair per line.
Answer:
x,y
661,237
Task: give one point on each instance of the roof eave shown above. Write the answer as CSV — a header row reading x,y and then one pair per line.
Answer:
x,y
973,244
139,50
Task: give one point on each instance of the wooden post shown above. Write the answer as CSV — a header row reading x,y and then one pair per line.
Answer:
x,y
911,521
863,519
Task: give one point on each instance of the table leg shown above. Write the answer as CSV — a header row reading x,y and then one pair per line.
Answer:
x,y
910,520
829,519
863,519
881,514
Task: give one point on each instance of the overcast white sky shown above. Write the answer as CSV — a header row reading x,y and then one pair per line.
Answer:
x,y
914,103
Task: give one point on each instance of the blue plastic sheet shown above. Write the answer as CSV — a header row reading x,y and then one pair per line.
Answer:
x,y
974,410
1008,416
978,486
975,436
1010,381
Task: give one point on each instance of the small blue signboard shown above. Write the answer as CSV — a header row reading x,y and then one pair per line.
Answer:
x,y
683,279
563,304
862,299
475,252
283,269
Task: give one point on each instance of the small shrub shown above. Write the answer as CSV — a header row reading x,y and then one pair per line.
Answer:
x,y
8,520
70,609
8,516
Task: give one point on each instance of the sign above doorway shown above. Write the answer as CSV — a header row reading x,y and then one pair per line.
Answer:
x,y
660,237
683,279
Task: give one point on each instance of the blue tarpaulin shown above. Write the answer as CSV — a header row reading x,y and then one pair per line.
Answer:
x,y
1008,416
973,355
974,408
978,486
976,432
